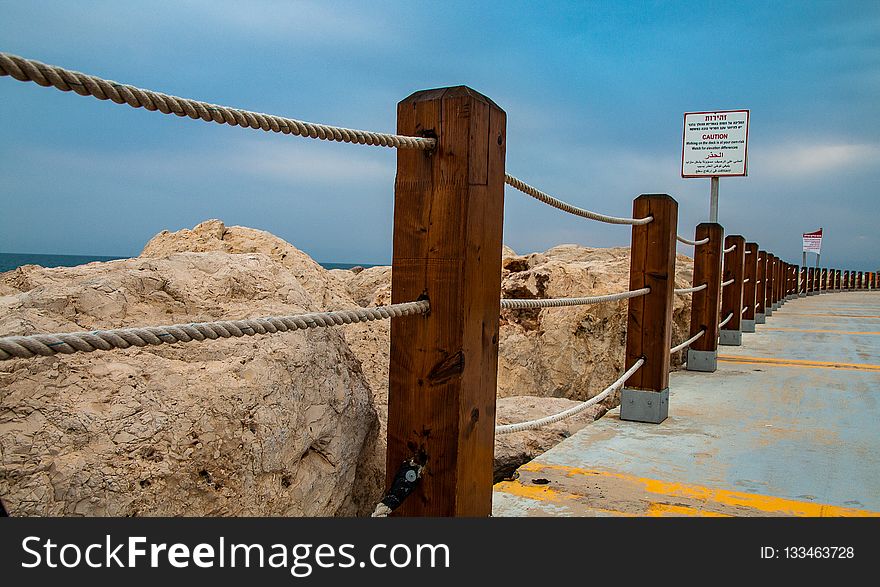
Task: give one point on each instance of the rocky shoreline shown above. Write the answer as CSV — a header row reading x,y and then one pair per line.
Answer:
x,y
281,425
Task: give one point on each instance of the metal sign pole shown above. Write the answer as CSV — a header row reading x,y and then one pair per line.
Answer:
x,y
713,199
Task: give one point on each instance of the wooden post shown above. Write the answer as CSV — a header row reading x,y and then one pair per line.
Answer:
x,y
845,280
750,287
811,282
761,288
859,280
825,280
649,321
731,295
768,297
780,290
802,282
448,212
702,355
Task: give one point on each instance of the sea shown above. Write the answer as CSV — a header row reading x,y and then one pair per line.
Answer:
x,y
10,261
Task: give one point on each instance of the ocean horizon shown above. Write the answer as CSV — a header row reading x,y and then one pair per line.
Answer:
x,y
10,261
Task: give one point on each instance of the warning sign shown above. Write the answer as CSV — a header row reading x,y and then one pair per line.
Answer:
x,y
813,242
715,144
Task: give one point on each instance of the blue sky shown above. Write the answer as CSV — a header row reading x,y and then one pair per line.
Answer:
x,y
594,93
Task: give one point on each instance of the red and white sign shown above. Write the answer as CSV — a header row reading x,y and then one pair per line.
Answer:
x,y
813,242
715,144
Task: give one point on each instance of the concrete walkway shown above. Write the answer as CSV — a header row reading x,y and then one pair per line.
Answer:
x,y
788,425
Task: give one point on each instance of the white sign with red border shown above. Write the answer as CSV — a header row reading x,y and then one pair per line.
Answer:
x,y
813,242
715,144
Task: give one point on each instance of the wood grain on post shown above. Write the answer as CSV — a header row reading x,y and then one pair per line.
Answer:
x,y
652,264
750,282
448,213
771,282
706,303
845,280
761,286
824,279
731,295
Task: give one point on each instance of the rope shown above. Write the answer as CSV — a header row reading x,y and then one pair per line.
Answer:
x,y
731,248
728,282
88,85
746,280
515,304
688,342
726,320
681,239
381,511
86,342
743,311
550,200
532,424
748,252
687,290
757,282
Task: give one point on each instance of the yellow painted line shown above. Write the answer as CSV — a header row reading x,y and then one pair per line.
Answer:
x,y
536,492
547,494
823,331
764,503
798,363
659,510
872,317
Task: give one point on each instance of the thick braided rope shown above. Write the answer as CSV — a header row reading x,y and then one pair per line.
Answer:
x,y
515,304
687,290
730,249
681,239
746,280
88,85
550,200
687,343
743,311
85,342
728,282
726,320
532,424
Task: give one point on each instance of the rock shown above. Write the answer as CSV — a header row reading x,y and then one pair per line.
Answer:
x,y
295,423
275,425
517,448
571,352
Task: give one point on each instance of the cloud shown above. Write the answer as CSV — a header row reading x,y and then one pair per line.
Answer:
x,y
799,159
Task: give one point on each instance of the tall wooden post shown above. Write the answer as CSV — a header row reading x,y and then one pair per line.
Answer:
x,y
802,282
448,211
731,295
824,280
845,280
702,355
859,280
649,320
768,299
811,282
750,287
761,288
780,290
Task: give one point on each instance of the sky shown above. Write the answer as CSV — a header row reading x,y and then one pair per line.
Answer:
x,y
594,94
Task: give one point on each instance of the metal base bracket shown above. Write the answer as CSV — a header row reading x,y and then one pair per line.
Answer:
x,y
705,361
759,318
731,338
644,406
768,311
747,325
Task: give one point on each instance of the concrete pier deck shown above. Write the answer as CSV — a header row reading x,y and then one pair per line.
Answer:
x,y
789,425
